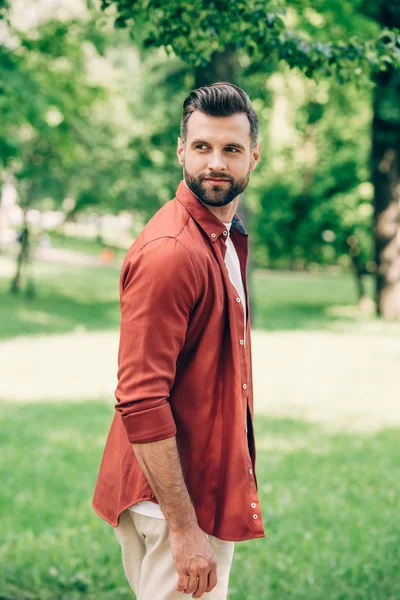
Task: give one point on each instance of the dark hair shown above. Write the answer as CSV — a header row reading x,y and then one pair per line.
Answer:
x,y
221,99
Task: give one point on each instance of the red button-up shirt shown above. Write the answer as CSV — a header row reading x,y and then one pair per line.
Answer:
x,y
184,370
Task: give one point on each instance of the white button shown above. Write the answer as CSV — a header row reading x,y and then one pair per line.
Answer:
x,y
237,299
253,505
255,516
213,235
241,342
245,386
251,471
225,233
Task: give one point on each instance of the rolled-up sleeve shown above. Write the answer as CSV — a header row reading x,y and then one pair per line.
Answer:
x,y
158,292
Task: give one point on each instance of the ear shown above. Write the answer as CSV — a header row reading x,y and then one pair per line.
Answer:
x,y
255,155
180,152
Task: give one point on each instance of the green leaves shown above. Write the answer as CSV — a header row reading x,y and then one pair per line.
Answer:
x,y
260,29
4,6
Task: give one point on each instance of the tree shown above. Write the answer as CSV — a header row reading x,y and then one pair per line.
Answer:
x,y
212,37
315,197
57,140
386,171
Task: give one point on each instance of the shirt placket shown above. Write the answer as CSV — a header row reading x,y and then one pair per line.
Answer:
x,y
245,373
239,338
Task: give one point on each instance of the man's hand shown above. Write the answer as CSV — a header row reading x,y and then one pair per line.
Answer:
x,y
191,551
194,560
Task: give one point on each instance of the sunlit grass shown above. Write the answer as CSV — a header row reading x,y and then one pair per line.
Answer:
x,y
329,500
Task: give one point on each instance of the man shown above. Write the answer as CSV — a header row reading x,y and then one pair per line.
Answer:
x,y
187,491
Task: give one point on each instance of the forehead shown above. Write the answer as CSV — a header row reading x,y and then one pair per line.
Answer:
x,y
218,129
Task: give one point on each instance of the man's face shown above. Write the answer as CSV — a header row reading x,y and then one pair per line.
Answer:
x,y
217,158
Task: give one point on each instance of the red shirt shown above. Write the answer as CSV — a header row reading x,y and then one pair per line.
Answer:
x,y
184,370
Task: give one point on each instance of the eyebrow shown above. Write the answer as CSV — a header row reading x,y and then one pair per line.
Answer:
x,y
231,144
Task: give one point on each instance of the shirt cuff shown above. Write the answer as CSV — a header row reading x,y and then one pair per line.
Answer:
x,y
152,425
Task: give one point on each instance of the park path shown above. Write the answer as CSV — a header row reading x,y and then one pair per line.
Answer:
x,y
339,379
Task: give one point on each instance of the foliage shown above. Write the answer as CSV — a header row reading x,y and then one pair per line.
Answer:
x,y
315,199
256,28
110,142
4,7
57,136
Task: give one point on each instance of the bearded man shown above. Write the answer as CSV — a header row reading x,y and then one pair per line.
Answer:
x,y
177,479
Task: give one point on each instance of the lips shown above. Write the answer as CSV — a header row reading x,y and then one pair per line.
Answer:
x,y
216,179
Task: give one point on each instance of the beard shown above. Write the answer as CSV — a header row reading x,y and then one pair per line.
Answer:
x,y
216,195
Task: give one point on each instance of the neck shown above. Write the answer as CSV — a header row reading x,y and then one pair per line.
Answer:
x,y
223,213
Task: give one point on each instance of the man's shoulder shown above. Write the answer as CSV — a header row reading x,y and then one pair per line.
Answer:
x,y
167,222
171,230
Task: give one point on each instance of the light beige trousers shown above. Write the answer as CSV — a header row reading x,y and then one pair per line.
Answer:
x,y
148,563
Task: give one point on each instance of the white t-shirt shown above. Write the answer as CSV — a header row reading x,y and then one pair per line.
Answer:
x,y
151,509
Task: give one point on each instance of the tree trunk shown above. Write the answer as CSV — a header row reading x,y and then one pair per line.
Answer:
x,y
386,180
223,67
358,271
24,265
22,259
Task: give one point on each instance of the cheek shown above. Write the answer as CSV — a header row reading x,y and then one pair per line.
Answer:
x,y
239,166
195,163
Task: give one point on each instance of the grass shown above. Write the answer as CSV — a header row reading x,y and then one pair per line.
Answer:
x,y
86,245
329,497
66,297
290,301
330,504
70,296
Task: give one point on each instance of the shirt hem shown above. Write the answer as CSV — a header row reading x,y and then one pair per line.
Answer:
x,y
224,539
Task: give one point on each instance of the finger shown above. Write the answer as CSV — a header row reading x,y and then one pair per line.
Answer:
x,y
202,584
212,578
181,585
192,582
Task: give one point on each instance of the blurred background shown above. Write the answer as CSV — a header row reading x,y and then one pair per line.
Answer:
x,y
90,103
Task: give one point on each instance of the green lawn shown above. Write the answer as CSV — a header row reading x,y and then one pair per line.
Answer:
x,y
330,499
330,504
86,245
71,295
67,296
286,300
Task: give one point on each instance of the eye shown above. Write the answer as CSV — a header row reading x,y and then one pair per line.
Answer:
x,y
231,148
200,146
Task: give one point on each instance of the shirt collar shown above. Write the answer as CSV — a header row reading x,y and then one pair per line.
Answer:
x,y
212,226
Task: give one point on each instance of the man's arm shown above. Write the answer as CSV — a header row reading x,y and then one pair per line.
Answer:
x,y
192,552
159,289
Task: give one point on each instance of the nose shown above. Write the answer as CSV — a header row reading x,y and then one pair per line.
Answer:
x,y
216,162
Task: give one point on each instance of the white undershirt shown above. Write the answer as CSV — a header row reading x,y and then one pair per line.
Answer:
x,y
151,509
233,265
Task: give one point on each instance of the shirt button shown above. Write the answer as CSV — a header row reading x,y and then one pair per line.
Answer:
x,y
213,235
241,342
237,299
253,505
245,386
225,233
255,516
251,471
